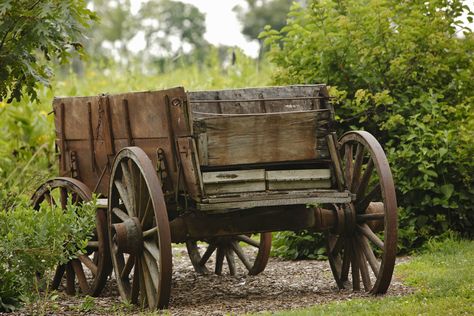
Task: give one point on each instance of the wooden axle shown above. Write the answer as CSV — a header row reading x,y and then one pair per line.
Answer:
x,y
293,218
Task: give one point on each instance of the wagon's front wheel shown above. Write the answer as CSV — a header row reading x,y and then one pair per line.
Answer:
x,y
89,271
139,233
251,253
365,240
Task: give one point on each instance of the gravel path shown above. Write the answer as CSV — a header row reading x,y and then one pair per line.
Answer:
x,y
284,285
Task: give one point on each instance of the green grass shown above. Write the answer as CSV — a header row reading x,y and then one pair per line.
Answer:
x,y
443,279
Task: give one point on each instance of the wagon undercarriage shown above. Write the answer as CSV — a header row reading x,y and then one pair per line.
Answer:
x,y
219,171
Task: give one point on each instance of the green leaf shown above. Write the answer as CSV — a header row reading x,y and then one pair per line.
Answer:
x,y
447,190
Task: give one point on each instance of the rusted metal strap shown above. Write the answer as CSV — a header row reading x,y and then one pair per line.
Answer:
x,y
62,138
91,138
105,115
128,127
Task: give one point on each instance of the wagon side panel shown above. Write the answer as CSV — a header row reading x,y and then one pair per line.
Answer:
x,y
94,129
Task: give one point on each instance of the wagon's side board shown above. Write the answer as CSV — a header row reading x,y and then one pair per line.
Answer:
x,y
266,100
262,138
91,130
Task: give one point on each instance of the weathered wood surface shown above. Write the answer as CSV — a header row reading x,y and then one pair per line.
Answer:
x,y
260,138
298,179
272,198
234,181
200,108
96,128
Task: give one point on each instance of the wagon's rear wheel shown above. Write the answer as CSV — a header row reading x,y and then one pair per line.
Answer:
x,y
90,270
139,232
365,242
239,251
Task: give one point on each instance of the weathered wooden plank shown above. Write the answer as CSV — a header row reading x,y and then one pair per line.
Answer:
x,y
298,175
190,171
273,195
294,91
298,179
275,202
234,181
261,138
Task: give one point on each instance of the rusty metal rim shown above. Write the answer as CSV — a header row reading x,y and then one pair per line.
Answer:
x,y
153,186
102,254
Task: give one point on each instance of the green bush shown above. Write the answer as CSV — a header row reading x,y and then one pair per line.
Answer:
x,y
33,242
402,71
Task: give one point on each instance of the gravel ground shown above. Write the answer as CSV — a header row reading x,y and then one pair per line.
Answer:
x,y
284,285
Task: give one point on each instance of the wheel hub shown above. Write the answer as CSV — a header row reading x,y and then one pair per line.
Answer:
x,y
128,236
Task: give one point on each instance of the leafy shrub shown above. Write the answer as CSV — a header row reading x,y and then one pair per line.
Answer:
x,y
400,71
34,242
298,245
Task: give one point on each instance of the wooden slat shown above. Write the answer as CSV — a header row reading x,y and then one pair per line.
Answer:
x,y
271,202
263,138
234,181
236,176
298,179
237,197
232,105
190,166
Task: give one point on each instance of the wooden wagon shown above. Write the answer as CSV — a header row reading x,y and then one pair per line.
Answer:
x,y
218,171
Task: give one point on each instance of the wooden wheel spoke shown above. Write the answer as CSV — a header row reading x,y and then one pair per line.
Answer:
x,y
357,168
240,253
364,271
128,267
152,269
143,199
149,286
70,277
229,256
362,205
209,251
355,268
49,198
146,212
81,277
367,232
346,260
58,275
89,264
369,255
361,218
348,160
143,293
63,197
129,187
121,265
364,182
219,259
124,197
152,248
149,233
120,214
248,240
337,246
136,280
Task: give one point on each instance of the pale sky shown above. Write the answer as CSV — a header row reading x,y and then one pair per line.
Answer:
x,y
222,26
